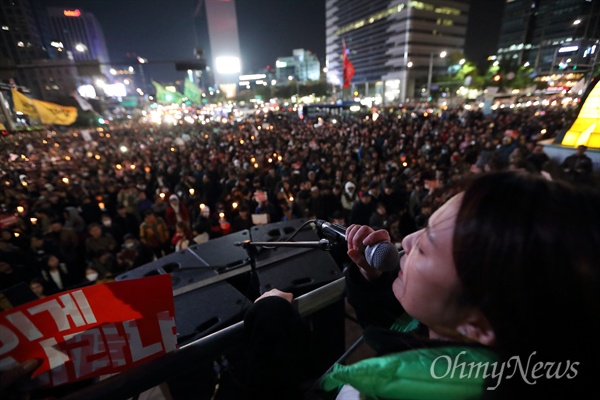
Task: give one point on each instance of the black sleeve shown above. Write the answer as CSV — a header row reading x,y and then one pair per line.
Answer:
x,y
374,302
277,341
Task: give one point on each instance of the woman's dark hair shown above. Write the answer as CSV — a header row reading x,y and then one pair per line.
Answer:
x,y
527,252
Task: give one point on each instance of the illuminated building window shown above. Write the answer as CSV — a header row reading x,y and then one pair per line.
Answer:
x,y
397,9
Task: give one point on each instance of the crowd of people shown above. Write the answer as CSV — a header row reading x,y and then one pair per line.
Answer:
x,y
83,207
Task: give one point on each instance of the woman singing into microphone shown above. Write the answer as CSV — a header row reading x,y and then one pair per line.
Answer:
x,y
497,297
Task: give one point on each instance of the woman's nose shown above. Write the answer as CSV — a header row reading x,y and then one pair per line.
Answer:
x,y
408,241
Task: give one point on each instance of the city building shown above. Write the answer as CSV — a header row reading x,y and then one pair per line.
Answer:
x,y
217,31
558,38
395,46
302,66
78,36
25,54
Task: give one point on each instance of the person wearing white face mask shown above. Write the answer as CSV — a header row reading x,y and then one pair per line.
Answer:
x,y
112,228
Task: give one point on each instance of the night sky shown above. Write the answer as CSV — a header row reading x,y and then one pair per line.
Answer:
x,y
164,30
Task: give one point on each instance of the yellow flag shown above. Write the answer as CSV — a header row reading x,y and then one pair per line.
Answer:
x,y
48,113
24,104
51,113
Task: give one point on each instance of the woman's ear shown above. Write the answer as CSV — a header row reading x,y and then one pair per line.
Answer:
x,y
477,328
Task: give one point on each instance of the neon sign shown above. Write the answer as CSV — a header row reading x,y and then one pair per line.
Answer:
x,y
72,13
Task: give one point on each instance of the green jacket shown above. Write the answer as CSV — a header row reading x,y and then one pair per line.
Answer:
x,y
446,372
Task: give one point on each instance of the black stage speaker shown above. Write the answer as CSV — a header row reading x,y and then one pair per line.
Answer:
x,y
296,270
212,288
204,303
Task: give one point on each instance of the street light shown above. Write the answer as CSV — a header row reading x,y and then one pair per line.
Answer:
x,y
442,55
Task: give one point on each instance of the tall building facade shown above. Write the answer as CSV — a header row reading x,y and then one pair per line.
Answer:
x,y
394,45
78,36
22,46
552,36
40,48
218,19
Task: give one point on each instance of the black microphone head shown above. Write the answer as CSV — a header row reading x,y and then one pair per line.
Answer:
x,y
383,256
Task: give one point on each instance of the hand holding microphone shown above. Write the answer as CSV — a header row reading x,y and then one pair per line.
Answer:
x,y
371,250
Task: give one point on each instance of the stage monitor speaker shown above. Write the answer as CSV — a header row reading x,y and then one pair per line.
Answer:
x,y
184,266
208,309
203,303
297,270
221,252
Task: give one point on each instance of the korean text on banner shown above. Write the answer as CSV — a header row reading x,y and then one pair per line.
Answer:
x,y
92,331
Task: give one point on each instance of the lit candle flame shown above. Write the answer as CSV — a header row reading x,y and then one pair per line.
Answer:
x,y
192,191
20,209
234,205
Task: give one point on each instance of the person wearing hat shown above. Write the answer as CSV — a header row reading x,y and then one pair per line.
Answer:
x,y
176,212
348,198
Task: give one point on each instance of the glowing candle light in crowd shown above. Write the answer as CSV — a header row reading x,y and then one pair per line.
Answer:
x,y
118,166
270,160
162,196
291,198
202,206
241,141
44,141
221,215
65,180
20,209
172,148
253,159
68,158
97,156
279,158
7,183
234,205
56,145
147,169
33,220
252,137
24,183
192,191
255,165
17,234
132,166
274,154
404,164
108,135
101,205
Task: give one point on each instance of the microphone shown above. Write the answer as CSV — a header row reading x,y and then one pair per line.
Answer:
x,y
383,256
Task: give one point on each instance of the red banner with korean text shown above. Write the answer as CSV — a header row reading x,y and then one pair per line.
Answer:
x,y
91,331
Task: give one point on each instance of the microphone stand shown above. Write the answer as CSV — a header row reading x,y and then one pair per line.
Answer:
x,y
251,248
